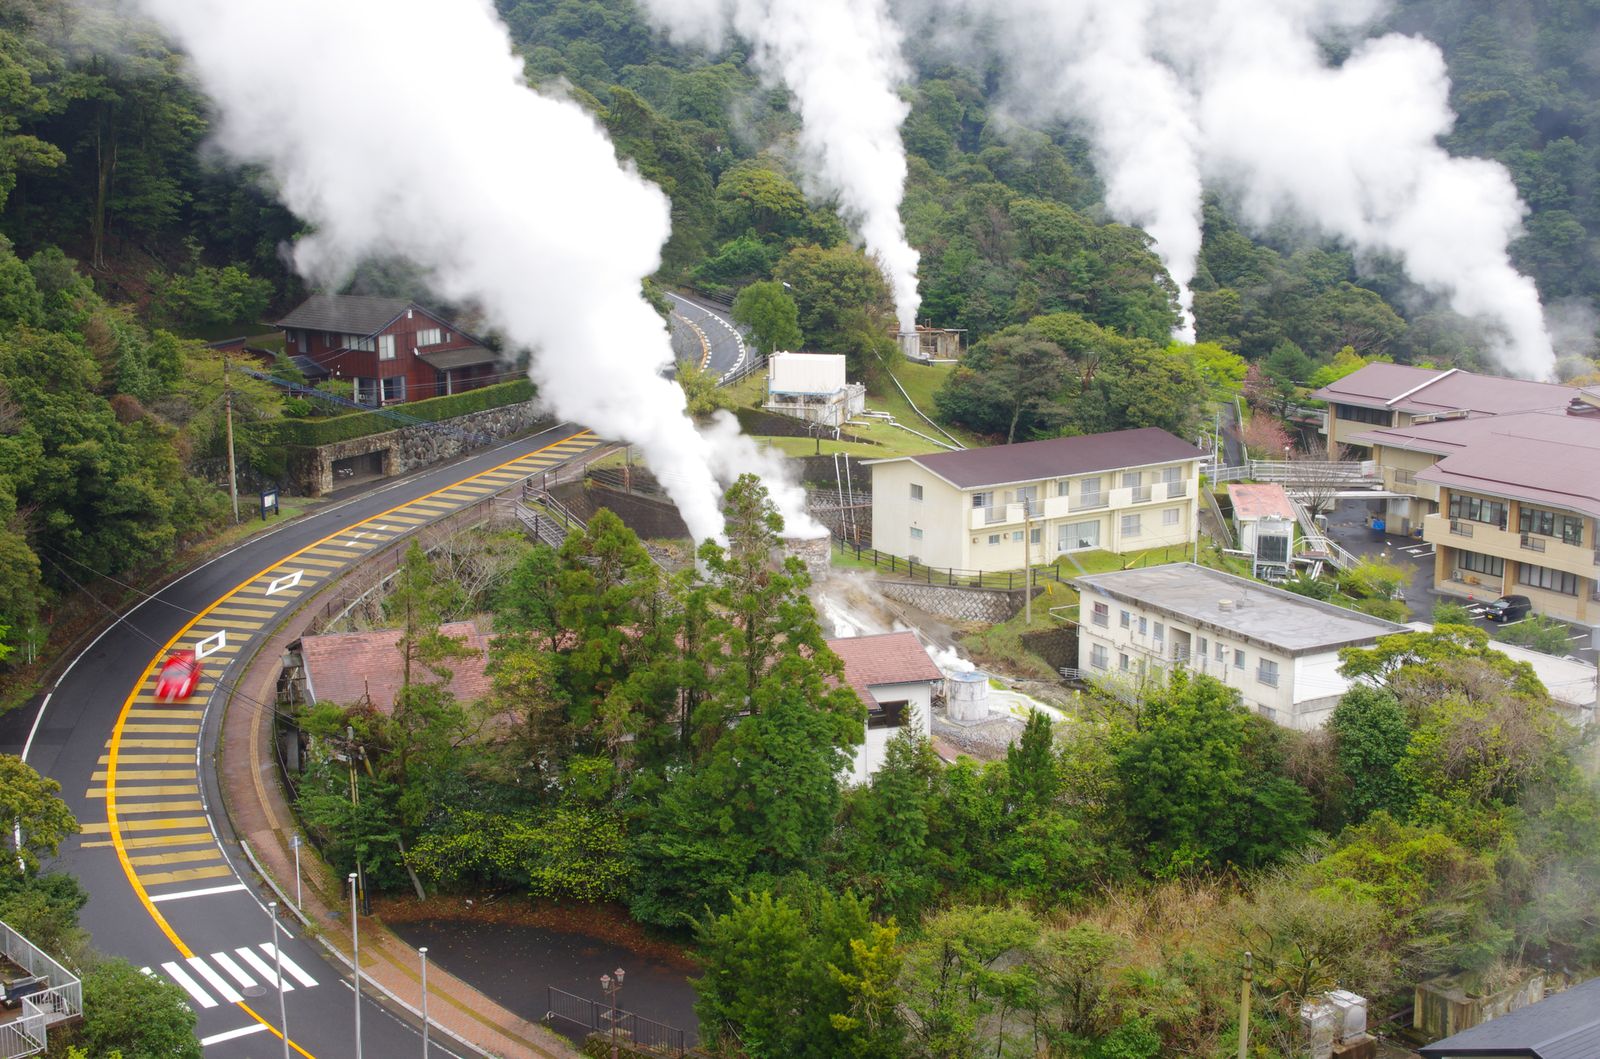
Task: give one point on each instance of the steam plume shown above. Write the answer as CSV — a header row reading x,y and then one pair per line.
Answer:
x,y
841,60
1239,93
403,127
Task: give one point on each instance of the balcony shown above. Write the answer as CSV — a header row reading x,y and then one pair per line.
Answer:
x,y
993,516
1460,529
1089,502
1141,494
1489,539
1532,543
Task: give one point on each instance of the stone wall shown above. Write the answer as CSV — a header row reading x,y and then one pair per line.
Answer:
x,y
1058,647
650,518
409,448
987,605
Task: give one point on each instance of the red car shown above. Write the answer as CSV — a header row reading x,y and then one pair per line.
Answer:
x,y
179,674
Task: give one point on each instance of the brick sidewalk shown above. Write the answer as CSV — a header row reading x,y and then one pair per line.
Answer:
x,y
258,808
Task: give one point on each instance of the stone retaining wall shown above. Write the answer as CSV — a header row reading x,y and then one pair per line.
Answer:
x,y
409,448
988,605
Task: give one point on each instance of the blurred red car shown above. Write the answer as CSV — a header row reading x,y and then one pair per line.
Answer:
x,y
179,674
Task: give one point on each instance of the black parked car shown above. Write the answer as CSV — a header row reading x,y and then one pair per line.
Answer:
x,y
1508,608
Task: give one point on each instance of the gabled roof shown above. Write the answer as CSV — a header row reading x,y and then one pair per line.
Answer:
x,y
342,667
348,314
1034,461
1420,391
445,359
888,658
1563,1026
1540,457
1253,501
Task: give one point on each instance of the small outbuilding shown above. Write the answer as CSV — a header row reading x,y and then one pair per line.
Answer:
x,y
894,677
813,387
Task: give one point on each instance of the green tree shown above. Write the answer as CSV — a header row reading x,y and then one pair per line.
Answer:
x,y
1008,384
29,807
771,315
135,1015
752,197
836,290
1372,735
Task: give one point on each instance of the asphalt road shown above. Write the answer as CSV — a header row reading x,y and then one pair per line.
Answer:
x,y
704,334
169,889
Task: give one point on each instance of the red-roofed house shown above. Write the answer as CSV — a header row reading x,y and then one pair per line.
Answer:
x,y
344,667
896,680
1254,503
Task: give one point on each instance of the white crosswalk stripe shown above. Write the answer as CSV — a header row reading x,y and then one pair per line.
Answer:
x,y
291,967
263,968
177,974
224,961
217,982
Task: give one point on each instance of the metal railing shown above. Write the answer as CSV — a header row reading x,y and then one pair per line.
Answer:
x,y
1089,502
1532,543
600,1017
1460,529
27,1034
1143,493
1009,580
993,515
1404,477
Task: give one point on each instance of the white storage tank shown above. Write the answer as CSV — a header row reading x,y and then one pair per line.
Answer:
x,y
968,695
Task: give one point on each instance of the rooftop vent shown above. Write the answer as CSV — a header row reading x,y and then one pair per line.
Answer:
x,y
1224,604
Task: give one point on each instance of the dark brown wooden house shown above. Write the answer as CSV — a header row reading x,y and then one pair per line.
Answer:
x,y
393,350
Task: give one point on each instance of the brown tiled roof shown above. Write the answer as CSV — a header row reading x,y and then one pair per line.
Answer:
x,y
1542,457
349,314
1264,500
1033,461
1428,390
888,658
341,667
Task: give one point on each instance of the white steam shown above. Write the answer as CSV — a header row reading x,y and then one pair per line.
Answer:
x,y
404,127
1240,94
841,61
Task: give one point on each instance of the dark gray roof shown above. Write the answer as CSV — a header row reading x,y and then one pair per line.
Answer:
x,y
348,314
1563,1026
308,367
1420,391
1033,461
445,359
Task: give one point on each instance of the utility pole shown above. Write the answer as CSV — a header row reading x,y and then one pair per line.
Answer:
x,y
355,960
233,470
277,958
1244,1008
423,954
1027,561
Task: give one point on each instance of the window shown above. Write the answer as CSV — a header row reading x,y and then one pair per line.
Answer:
x,y
1078,535
1546,578
1036,536
982,499
1477,509
1144,626
1063,487
1130,525
1481,564
1201,653
385,347
1171,474
916,533
1101,615
300,339
1090,487
431,337
916,492
1550,524
887,714
394,389
1029,496
1222,651
1126,620
1267,673
1161,633
361,342
1170,517
1097,655
1122,661
1238,658
1016,536
1132,479
366,391
994,538
1382,417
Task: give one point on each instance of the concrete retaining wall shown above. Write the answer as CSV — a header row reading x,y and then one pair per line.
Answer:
x,y
651,519
409,448
988,605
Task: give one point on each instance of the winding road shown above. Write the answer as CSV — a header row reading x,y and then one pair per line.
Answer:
x,y
703,334
168,887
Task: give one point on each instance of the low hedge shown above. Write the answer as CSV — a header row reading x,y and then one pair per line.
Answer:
x,y
311,433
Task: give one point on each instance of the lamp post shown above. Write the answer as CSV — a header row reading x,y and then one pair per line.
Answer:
x,y
294,843
355,961
277,960
423,953
611,986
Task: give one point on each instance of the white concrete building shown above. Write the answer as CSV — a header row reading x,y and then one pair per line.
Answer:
x,y
897,681
813,387
982,509
1279,650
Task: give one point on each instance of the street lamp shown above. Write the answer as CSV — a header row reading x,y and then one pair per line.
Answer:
x,y
611,986
423,953
355,962
277,959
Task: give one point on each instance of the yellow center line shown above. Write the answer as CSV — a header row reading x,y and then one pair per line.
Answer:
x,y
116,826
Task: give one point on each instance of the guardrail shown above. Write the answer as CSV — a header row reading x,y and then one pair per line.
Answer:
x,y
622,1026
28,1034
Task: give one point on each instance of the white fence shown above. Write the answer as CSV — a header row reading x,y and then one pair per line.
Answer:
x,y
26,1035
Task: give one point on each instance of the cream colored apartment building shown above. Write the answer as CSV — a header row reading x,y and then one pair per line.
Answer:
x,y
985,509
1280,651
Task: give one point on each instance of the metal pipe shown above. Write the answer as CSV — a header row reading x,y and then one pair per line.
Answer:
x,y
277,959
355,962
423,953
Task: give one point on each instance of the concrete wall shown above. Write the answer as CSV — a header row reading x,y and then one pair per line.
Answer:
x,y
650,518
958,604
409,448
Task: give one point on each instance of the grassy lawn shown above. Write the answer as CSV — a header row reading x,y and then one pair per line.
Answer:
x,y
251,522
921,382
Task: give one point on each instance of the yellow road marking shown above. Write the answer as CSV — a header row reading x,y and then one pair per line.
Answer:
x,y
187,856
159,744
152,841
179,788
171,712
161,807
214,871
149,774
116,826
171,728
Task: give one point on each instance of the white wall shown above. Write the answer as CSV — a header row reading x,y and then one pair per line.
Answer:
x,y
918,697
